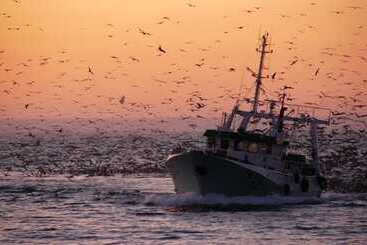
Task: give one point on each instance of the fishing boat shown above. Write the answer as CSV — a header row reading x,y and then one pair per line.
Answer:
x,y
251,160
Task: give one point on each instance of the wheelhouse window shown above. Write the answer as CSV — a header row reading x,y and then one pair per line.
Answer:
x,y
244,145
252,148
263,148
224,144
210,142
237,145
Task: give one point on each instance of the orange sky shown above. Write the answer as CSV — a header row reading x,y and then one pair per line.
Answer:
x,y
54,42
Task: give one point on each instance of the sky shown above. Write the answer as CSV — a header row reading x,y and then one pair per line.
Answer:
x,y
65,59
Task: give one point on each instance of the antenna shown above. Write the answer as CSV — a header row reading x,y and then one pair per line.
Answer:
x,y
259,34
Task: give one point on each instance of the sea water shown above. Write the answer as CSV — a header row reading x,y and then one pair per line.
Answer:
x,y
143,209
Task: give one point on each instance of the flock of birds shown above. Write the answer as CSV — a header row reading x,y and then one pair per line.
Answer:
x,y
187,98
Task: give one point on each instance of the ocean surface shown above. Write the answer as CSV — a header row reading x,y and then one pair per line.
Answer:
x,y
114,189
143,209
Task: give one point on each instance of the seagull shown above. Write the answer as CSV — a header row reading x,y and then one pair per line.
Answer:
x,y
90,70
249,11
337,12
144,32
134,59
122,100
355,7
161,49
293,62
199,105
317,71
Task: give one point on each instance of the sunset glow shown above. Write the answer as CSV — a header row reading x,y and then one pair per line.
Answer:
x,y
47,48
183,121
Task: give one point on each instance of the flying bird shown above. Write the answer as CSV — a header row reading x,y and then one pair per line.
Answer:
x,y
161,49
199,105
293,62
337,12
90,70
317,71
122,100
134,59
144,32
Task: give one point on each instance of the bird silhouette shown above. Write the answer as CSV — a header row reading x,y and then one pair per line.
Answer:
x,y
90,70
122,100
317,71
161,49
144,32
134,59
293,62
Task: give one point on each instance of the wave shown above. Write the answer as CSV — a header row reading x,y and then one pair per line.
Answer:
x,y
190,199
215,202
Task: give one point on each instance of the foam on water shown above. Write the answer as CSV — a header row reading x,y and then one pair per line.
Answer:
x,y
223,202
189,199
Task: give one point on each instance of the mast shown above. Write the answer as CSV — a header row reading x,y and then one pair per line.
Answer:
x,y
259,76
